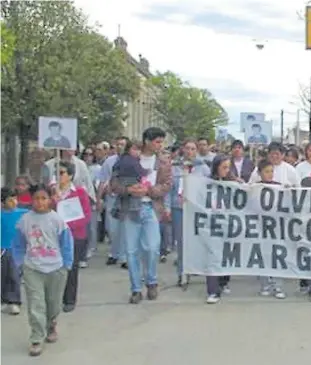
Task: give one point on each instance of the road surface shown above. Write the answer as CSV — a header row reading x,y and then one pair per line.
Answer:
x,y
179,328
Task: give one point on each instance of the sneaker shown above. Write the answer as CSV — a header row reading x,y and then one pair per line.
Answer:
x,y
279,294
111,261
213,299
226,289
136,298
83,264
4,307
152,291
68,308
14,309
124,266
35,349
265,292
304,290
163,259
52,335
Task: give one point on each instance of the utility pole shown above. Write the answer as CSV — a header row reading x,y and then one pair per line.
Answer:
x,y
282,125
298,128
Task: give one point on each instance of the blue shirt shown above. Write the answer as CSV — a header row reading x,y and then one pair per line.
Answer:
x,y
105,173
9,220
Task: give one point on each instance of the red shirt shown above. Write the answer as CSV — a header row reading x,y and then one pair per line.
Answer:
x,y
24,199
79,227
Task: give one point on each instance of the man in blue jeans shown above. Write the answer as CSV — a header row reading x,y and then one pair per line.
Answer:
x,y
113,228
140,223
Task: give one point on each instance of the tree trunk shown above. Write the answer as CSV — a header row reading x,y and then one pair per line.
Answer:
x,y
24,148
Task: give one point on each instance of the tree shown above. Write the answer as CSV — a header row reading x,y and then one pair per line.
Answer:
x,y
187,111
61,66
305,98
7,44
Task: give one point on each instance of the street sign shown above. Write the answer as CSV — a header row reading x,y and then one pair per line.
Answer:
x,y
308,27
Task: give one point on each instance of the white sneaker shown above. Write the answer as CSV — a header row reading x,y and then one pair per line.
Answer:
x,y
226,289
265,291
213,299
4,307
83,265
279,294
14,309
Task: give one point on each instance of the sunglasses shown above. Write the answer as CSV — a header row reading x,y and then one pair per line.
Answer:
x,y
62,172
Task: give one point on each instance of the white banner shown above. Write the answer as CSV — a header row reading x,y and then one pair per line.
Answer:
x,y
240,229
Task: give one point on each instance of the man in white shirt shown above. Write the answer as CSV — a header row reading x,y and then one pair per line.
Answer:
x,y
283,172
204,153
286,175
117,249
82,175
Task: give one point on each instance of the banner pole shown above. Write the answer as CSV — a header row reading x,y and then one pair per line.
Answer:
x,y
57,168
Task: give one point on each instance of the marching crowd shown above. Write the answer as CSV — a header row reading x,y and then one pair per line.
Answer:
x,y
131,193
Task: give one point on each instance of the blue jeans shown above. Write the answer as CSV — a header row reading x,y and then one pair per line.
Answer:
x,y
142,241
177,227
114,228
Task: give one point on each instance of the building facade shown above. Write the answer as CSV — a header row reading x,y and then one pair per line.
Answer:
x,y
141,111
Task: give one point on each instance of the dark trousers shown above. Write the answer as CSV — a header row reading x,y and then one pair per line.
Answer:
x,y
101,227
10,280
166,237
71,289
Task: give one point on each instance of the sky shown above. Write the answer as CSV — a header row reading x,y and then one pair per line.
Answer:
x,y
212,44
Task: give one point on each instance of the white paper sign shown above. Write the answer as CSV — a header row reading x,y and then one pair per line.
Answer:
x,y
70,209
58,133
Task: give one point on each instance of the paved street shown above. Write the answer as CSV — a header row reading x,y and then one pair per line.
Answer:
x,y
179,328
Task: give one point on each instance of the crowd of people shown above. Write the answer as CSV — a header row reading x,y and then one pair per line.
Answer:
x,y
131,194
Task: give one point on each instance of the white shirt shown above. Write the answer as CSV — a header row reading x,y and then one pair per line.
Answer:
x,y
148,162
284,173
304,169
238,165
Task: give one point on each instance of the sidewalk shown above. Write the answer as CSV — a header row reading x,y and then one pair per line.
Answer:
x,y
179,328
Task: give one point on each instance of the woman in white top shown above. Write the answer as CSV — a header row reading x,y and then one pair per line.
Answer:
x,y
286,175
304,168
88,156
304,171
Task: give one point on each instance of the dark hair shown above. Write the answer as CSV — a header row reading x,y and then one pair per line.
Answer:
x,y
204,139
256,125
189,140
25,178
250,117
40,187
293,151
263,164
70,168
7,193
53,124
306,149
152,133
217,161
237,143
130,144
276,146
262,153
122,137
83,154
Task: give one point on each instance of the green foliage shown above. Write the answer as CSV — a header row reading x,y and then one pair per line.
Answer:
x,y
62,67
187,111
7,44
